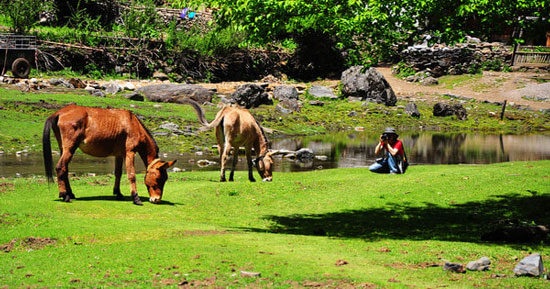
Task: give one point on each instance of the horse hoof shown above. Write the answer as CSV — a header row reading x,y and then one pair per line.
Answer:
x,y
138,203
71,195
222,180
252,180
67,198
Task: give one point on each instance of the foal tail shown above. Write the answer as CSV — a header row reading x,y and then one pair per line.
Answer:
x,y
201,115
47,146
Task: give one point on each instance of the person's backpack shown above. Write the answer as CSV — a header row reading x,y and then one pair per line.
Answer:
x,y
404,163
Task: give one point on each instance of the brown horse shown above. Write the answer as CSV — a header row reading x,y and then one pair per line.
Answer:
x,y
102,132
236,127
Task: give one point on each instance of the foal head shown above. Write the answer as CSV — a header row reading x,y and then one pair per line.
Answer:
x,y
155,178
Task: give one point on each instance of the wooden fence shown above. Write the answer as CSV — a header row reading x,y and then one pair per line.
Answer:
x,y
528,56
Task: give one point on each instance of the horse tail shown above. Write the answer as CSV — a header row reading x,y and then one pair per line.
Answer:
x,y
200,114
47,146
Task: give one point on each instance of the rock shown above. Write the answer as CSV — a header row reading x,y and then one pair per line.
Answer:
x,y
169,126
161,133
135,96
60,82
97,93
250,274
316,103
112,88
530,266
412,110
128,86
160,75
285,92
77,82
321,158
430,80
304,154
353,114
205,163
443,109
178,170
370,85
250,95
176,93
479,265
321,91
454,267
289,105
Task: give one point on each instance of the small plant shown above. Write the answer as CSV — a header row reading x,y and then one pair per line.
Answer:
x,y
403,70
22,15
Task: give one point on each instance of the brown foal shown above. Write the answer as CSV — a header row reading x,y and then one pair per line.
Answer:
x,y
102,132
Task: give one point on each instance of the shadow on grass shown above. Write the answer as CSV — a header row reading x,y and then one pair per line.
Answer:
x,y
114,198
456,222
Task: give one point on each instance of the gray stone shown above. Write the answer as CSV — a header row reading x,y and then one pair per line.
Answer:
x,y
161,133
412,110
369,85
112,88
316,103
250,274
250,95
60,82
443,109
134,96
479,265
289,105
304,154
429,81
176,93
285,92
320,91
454,267
97,93
169,126
530,266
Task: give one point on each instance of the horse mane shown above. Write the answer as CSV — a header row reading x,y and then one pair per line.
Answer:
x,y
263,132
149,134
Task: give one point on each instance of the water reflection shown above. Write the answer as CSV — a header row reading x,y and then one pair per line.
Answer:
x,y
343,150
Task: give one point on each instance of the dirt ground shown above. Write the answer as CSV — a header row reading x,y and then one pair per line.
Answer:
x,y
491,86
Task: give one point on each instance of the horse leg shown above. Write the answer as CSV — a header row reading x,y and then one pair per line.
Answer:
x,y
118,174
234,160
248,152
223,161
62,170
131,172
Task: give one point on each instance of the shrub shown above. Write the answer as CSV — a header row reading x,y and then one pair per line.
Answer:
x,y
23,14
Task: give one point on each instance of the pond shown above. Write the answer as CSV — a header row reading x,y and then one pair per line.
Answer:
x,y
342,150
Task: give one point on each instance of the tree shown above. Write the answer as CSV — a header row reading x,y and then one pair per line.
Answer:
x,y
23,15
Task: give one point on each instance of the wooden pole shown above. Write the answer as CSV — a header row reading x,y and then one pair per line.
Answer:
x,y
503,109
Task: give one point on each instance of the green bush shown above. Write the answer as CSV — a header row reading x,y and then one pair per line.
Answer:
x,y
22,15
212,42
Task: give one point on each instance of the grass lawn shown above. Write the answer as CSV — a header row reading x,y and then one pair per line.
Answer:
x,y
332,228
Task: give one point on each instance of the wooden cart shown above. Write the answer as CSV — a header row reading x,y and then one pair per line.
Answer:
x,y
17,53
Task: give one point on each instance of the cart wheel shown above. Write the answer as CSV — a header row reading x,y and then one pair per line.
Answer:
x,y
21,68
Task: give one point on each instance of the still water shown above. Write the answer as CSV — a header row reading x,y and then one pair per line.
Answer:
x,y
343,150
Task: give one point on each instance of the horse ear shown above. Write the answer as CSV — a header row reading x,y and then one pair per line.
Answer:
x,y
166,165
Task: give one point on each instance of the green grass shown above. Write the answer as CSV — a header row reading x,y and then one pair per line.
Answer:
x,y
23,114
455,81
293,230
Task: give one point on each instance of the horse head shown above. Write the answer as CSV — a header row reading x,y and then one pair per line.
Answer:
x,y
155,178
264,164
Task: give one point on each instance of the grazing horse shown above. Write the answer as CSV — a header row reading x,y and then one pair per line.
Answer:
x,y
236,127
102,132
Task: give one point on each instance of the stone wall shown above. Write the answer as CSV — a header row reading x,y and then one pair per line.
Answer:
x,y
438,60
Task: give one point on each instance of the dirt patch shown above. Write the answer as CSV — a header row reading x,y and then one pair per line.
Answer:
x,y
28,243
8,219
491,86
6,187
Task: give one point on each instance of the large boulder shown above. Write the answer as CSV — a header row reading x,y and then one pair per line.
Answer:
x,y
250,95
443,109
369,85
288,106
284,92
320,91
530,266
412,110
176,93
